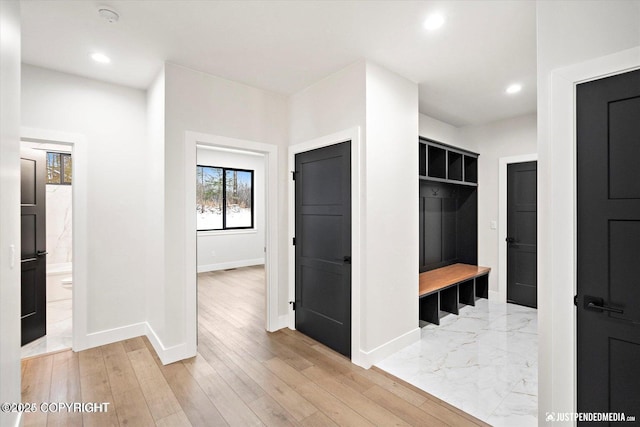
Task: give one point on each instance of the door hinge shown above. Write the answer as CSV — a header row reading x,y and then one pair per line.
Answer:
x,y
293,175
294,241
575,300
293,305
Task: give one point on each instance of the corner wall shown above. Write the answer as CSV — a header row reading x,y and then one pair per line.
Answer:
x,y
384,106
391,244
10,208
199,102
112,118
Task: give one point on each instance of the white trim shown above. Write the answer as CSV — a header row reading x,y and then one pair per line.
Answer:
x,y
18,421
353,135
226,232
494,296
108,336
557,230
270,152
369,358
231,264
503,162
167,354
60,268
80,245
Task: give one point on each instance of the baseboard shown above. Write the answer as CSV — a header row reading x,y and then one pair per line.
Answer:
x,y
109,336
494,296
167,354
231,264
283,322
369,358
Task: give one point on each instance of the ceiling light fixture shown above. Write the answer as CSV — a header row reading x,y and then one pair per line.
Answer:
x,y
100,57
109,15
514,88
433,21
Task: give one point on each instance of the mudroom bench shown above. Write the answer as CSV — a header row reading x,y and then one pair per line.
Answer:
x,y
448,287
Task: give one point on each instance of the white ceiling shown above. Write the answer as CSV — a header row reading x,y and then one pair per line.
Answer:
x,y
284,46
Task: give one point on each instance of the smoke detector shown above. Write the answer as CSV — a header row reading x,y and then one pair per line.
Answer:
x,y
109,15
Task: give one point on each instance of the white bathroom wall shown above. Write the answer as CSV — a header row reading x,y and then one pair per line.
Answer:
x,y
59,230
218,250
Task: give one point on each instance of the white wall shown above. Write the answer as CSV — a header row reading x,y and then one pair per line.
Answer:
x,y
390,277
333,104
568,33
154,253
439,131
510,137
9,208
113,120
219,250
198,102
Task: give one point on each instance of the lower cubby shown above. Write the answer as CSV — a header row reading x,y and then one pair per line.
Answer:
x,y
449,299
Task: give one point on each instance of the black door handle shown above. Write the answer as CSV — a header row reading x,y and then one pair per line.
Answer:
x,y
346,259
597,304
510,240
41,253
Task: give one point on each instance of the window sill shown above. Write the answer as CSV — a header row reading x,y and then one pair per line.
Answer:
x,y
227,232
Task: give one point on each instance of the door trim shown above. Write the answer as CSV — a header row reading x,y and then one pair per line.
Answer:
x,y
273,321
503,162
77,142
353,135
557,224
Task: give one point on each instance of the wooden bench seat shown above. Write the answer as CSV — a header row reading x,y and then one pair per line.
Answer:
x,y
448,287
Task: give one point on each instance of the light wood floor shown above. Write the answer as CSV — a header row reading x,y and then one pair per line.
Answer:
x,y
241,376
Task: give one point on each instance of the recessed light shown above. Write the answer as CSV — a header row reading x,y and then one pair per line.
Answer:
x,y
433,21
514,88
100,57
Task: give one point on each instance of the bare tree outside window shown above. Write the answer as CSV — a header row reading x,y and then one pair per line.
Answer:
x,y
224,198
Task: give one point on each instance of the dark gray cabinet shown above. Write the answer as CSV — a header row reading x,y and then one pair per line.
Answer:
x,y
448,205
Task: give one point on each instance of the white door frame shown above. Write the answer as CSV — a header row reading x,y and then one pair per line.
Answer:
x,y
557,225
503,162
270,152
353,135
80,246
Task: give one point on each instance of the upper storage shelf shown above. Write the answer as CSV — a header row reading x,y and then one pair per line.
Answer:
x,y
441,162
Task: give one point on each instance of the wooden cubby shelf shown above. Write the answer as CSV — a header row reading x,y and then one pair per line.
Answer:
x,y
446,289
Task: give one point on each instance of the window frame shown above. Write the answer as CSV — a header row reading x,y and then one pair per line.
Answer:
x,y
224,198
61,162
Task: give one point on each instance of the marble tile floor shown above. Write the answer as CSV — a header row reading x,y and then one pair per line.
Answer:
x,y
58,330
483,361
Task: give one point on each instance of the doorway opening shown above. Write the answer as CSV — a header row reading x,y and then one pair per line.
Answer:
x,y
203,257
58,238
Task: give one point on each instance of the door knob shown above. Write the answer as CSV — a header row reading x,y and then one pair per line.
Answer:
x,y
597,304
346,259
510,240
41,253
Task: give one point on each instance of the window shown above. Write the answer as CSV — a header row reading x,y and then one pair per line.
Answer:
x,y
58,168
224,198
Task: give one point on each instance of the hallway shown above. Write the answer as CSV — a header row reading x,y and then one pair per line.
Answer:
x,y
241,376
